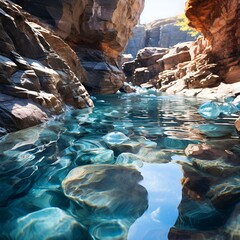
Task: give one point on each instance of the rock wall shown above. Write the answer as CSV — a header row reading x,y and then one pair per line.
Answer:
x,y
217,20
35,80
96,30
213,68
160,33
45,60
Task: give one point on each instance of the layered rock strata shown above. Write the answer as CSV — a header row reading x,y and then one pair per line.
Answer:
x,y
50,50
96,30
35,81
214,65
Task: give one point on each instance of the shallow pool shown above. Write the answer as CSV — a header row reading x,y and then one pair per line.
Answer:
x,y
110,172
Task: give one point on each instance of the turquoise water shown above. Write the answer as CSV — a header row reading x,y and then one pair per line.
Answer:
x,y
111,172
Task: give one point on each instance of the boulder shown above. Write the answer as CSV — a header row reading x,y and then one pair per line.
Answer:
x,y
102,193
48,223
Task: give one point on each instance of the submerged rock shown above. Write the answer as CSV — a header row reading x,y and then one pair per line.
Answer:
x,y
95,156
232,227
215,130
115,138
101,193
49,223
209,110
226,193
110,184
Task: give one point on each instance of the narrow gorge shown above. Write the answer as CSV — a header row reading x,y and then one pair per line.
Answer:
x,y
111,129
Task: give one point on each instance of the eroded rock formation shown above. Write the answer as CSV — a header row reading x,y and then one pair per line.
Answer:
x,y
214,65
96,30
35,81
217,20
210,204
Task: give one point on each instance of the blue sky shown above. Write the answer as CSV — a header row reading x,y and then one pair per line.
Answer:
x,y
156,9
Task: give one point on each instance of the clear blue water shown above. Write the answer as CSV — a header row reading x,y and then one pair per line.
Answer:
x,y
65,180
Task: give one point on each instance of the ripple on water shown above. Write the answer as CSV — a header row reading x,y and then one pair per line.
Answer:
x,y
109,172
48,223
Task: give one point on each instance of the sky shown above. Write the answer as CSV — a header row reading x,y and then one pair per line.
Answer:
x,y
157,9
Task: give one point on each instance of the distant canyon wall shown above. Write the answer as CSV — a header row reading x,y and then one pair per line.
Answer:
x,y
159,33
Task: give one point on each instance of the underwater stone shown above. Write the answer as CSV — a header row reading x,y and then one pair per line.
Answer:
x,y
204,151
232,225
209,110
129,158
105,189
218,168
199,215
215,130
49,223
115,138
226,193
97,156
109,230
228,109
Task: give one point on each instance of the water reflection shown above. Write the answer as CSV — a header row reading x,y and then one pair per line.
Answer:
x,y
130,186
164,195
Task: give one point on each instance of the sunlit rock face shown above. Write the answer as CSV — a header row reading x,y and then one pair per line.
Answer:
x,y
36,80
217,20
102,28
102,191
213,68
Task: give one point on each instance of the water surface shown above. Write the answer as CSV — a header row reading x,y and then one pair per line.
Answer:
x,y
67,179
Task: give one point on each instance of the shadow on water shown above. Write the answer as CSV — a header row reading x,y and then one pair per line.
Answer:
x,y
114,172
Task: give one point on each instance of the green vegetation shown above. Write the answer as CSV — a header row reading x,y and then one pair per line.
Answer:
x,y
182,23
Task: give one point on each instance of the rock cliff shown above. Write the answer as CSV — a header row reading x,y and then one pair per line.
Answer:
x,y
218,21
35,81
44,59
160,33
96,30
212,65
